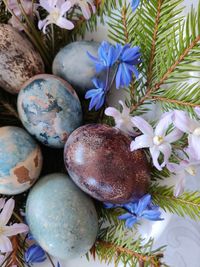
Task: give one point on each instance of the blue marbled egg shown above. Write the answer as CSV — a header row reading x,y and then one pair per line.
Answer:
x,y
73,65
49,109
62,219
20,160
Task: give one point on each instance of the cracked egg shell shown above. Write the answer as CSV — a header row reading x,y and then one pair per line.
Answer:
x,y
49,109
99,160
19,61
20,160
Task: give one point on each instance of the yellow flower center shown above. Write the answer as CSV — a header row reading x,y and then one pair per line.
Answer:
x,y
197,131
191,170
1,230
54,15
158,140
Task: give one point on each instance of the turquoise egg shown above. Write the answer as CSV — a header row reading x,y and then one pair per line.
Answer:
x,y
73,65
49,109
62,219
20,160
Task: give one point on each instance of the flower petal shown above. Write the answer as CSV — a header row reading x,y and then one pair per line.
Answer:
x,y
5,244
175,135
163,125
155,155
194,146
142,125
180,185
131,221
125,216
7,211
141,141
184,123
65,23
142,204
16,228
113,112
166,151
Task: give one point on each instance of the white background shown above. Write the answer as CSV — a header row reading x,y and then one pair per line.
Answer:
x,y
182,236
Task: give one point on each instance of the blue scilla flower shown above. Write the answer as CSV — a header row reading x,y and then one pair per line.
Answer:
x,y
34,254
107,56
129,57
143,208
97,95
135,4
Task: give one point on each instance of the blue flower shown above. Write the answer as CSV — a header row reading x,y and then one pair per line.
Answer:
x,y
143,208
58,264
129,57
135,4
107,56
97,95
34,254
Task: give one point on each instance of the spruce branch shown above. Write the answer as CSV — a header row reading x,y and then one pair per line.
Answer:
x,y
188,204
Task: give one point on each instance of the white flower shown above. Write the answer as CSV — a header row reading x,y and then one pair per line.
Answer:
x,y
7,231
190,126
122,120
57,9
156,140
188,165
86,7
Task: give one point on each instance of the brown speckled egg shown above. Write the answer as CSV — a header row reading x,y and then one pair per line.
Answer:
x,y
99,160
18,59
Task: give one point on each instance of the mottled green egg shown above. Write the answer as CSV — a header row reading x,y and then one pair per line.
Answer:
x,y
62,219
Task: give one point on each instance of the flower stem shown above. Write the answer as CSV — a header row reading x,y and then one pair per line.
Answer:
x,y
50,259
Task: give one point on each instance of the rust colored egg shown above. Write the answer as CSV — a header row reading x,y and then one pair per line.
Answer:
x,y
99,160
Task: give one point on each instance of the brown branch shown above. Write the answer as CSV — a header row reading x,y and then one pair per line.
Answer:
x,y
10,109
179,102
124,22
166,75
154,259
13,259
153,46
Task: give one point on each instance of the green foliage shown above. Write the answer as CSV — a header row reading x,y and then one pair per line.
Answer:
x,y
188,204
117,243
4,15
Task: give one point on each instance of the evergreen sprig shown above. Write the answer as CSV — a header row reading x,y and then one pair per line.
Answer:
x,y
188,204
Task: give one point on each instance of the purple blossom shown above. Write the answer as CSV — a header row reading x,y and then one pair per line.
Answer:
x,y
137,210
122,119
34,254
13,6
57,10
107,56
135,4
86,7
187,165
128,58
97,95
156,140
190,126
8,230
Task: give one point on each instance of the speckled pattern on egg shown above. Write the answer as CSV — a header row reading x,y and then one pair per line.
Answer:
x,y
73,65
19,61
20,160
49,109
99,160
61,217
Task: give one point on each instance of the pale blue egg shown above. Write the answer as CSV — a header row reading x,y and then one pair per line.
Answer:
x,y
49,109
62,219
20,160
74,65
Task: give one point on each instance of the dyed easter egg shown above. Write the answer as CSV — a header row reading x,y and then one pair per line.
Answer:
x,y
73,65
99,160
62,219
19,61
49,109
20,160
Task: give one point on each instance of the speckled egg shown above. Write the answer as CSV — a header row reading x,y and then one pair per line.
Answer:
x,y
19,61
62,219
49,109
99,160
20,160
73,65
